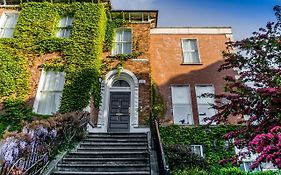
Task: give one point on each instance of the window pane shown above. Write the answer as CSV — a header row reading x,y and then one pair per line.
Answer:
x,y
127,36
180,95
182,114
7,33
63,22
202,90
192,45
194,57
69,21
127,48
205,111
60,33
118,35
66,33
118,48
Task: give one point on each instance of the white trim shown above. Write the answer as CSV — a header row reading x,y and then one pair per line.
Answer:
x,y
106,88
192,30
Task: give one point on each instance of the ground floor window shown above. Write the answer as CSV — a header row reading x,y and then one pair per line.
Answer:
x,y
181,103
49,92
204,103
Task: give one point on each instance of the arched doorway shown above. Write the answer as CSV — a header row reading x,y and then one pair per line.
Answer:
x,y
119,108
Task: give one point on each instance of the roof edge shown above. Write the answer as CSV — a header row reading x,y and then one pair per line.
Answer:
x,y
191,30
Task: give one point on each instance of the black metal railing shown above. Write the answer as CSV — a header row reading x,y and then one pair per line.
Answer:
x,y
35,157
158,147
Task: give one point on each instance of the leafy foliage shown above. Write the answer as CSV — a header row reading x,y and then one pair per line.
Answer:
x,y
181,157
188,171
211,138
13,73
255,95
14,113
83,57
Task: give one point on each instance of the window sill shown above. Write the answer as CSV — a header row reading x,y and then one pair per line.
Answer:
x,y
191,63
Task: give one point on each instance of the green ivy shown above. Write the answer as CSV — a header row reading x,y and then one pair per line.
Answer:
x,y
110,32
13,72
80,55
83,57
210,137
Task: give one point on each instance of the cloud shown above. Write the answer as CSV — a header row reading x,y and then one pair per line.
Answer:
x,y
132,4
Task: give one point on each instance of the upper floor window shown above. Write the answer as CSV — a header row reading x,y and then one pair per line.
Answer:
x,y
8,24
181,102
123,42
204,103
190,51
49,92
64,27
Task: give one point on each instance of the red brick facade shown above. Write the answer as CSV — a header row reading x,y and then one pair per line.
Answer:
x,y
167,68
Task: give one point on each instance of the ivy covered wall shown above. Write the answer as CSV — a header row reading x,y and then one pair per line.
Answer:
x,y
80,54
210,137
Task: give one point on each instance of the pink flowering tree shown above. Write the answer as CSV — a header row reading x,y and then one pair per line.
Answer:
x,y
254,95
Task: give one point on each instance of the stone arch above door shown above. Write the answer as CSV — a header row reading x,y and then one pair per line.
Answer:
x,y
106,87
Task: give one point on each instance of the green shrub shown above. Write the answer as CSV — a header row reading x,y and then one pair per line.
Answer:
x,y
181,157
232,171
265,173
187,171
210,137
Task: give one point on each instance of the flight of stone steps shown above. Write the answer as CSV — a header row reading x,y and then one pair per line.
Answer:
x,y
108,153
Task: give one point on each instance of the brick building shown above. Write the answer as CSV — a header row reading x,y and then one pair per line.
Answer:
x,y
182,62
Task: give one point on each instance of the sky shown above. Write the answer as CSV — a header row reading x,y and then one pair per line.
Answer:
x,y
244,16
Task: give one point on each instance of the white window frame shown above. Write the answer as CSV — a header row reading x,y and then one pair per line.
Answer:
x,y
113,52
39,92
3,20
184,51
65,28
197,104
193,148
191,121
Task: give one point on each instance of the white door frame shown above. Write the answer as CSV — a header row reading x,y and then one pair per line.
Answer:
x,y
106,88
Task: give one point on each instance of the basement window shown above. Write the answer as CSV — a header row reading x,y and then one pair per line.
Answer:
x,y
197,149
8,24
49,92
64,27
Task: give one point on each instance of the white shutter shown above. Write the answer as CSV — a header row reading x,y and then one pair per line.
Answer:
x,y
204,103
49,92
182,109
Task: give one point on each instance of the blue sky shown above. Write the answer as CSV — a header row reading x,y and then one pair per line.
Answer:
x,y
244,16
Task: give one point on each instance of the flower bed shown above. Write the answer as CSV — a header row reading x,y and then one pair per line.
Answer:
x,y
28,151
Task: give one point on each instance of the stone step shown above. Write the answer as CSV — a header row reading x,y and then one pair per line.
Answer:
x,y
101,173
112,135
108,154
112,144
108,139
121,149
106,160
103,167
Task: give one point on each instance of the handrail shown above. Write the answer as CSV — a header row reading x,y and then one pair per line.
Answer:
x,y
158,147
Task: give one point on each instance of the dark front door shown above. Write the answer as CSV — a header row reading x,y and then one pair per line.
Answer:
x,y
119,116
